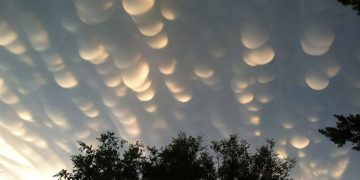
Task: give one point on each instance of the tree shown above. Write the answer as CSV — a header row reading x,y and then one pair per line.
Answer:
x,y
268,166
347,130
235,161
184,158
105,162
233,158
355,4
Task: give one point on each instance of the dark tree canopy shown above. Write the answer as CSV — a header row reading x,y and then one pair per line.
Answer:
x,y
106,162
184,158
355,4
347,130
235,161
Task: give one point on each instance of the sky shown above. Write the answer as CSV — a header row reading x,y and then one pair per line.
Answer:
x,y
147,69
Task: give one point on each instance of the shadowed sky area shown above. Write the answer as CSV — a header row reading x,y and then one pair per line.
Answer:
x,y
147,69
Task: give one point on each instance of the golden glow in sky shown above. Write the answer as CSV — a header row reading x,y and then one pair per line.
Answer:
x,y
147,69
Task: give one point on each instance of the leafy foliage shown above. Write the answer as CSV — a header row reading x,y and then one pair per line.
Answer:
x,y
347,130
355,4
267,166
183,158
234,158
235,161
105,162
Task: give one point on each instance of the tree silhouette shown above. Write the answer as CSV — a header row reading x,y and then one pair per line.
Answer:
x,y
267,166
184,158
355,4
237,162
105,162
347,130
234,158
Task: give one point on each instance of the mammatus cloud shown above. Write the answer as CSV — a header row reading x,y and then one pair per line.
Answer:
x,y
147,69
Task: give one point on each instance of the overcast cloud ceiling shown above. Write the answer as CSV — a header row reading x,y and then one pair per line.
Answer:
x,y
148,69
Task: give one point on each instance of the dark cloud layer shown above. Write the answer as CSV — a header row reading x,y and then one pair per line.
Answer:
x,y
149,68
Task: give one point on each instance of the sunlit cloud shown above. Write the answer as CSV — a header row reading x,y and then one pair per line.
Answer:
x,y
147,69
